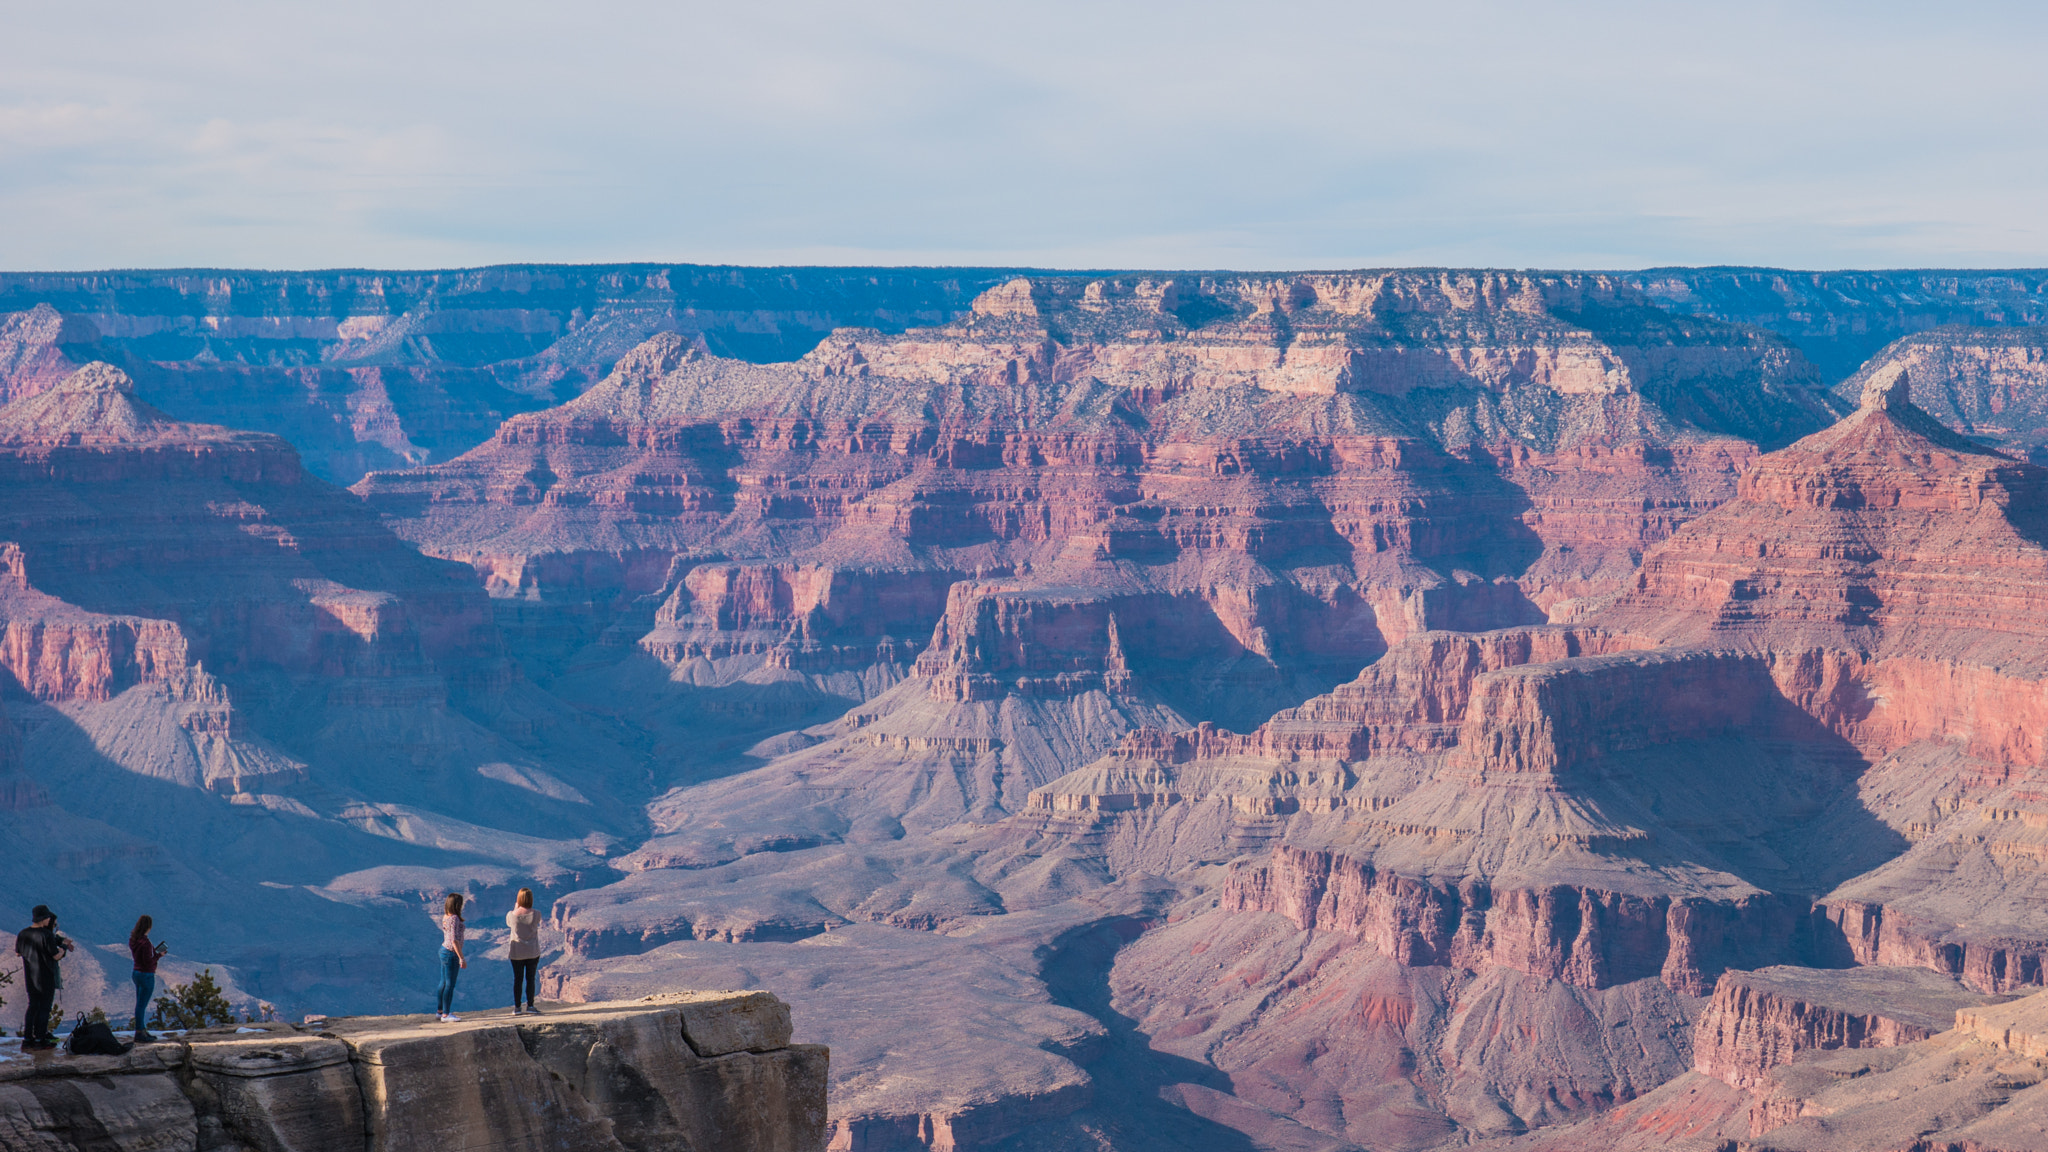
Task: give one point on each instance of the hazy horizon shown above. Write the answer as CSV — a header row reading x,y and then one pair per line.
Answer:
x,y
1062,137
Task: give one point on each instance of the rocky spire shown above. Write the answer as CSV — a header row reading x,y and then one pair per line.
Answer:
x,y
98,376
1888,396
1888,389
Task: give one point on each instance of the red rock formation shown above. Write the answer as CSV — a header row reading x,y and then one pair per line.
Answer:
x,y
247,558
1091,507
1581,936
38,348
1764,1019
1896,575
1657,792
1243,471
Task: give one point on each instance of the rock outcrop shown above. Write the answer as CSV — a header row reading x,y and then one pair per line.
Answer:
x,y
1974,1084
1990,384
698,1071
1763,1019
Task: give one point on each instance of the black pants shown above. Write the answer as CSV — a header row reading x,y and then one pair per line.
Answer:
x,y
35,1025
523,977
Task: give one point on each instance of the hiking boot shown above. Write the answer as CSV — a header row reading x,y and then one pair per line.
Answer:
x,y
144,1038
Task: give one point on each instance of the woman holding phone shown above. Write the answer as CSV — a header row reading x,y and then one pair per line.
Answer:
x,y
145,956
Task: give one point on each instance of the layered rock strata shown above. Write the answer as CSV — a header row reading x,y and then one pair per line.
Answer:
x,y
1261,482
1742,759
1895,572
1976,1084
699,1071
1842,319
1762,1019
363,370
1087,509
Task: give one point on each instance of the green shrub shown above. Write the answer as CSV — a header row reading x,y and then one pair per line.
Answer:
x,y
198,1004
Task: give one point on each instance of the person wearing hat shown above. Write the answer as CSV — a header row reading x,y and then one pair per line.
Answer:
x,y
40,948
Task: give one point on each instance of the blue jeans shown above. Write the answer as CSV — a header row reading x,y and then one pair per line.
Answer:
x,y
145,987
451,965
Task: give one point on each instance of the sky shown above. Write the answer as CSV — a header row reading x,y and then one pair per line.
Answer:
x,y
1256,136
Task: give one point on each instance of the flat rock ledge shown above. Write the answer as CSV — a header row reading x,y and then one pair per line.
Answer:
x,y
1761,1020
695,1071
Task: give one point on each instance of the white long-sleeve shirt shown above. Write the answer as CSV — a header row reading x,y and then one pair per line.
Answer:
x,y
525,926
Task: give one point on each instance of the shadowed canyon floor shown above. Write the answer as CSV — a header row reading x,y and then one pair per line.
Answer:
x,y
1383,710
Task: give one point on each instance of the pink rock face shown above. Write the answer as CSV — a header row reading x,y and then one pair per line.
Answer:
x,y
1580,936
242,551
1093,508
1205,461
1764,1019
36,350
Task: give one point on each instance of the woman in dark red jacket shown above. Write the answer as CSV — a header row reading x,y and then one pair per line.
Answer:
x,y
146,955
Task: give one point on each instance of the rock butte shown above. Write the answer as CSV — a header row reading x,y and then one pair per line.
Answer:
x,y
994,690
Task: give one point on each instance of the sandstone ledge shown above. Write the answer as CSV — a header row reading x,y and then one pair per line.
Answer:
x,y
703,1071
1762,1019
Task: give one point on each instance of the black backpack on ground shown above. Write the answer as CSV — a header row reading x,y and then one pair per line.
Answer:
x,y
95,1039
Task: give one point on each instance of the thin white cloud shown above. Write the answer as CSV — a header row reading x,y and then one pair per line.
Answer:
x,y
1075,134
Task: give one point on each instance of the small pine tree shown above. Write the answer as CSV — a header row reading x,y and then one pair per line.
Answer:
x,y
198,1004
98,1015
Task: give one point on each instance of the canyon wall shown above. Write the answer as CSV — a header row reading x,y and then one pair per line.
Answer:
x,y
1277,709
1798,736
1841,319
1765,1019
363,370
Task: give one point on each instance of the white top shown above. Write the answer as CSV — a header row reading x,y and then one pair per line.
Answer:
x,y
451,930
525,926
